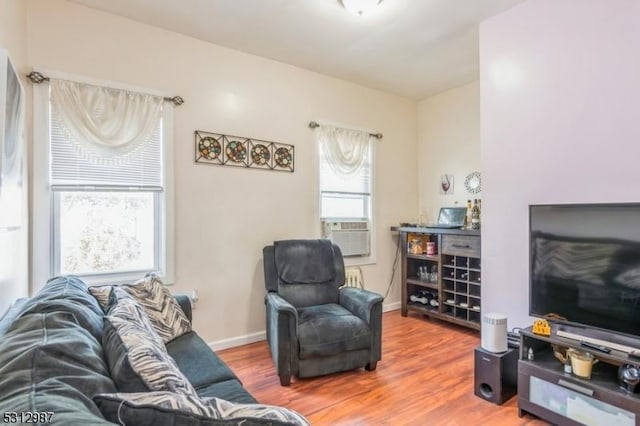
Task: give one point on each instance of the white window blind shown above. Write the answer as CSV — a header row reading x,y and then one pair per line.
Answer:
x,y
73,166
345,189
359,183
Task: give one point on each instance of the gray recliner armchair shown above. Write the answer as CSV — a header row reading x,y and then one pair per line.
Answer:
x,y
314,327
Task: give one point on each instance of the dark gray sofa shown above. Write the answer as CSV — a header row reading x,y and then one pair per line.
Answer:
x,y
51,357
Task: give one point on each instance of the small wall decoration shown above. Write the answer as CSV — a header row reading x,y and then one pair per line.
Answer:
x,y
446,184
473,183
227,150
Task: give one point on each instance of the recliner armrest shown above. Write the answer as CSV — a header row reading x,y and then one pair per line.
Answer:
x,y
360,302
282,335
185,304
281,306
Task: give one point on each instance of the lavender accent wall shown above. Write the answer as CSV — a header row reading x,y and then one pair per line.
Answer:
x,y
560,123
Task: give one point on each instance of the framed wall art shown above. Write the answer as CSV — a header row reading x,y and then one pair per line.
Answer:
x,y
235,151
446,184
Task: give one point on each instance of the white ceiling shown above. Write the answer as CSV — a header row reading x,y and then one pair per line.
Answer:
x,y
413,48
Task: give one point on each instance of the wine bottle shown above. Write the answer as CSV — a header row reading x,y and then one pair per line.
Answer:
x,y
475,215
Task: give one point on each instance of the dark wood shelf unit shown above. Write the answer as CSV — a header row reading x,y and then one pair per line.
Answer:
x,y
423,257
421,283
458,267
546,391
422,308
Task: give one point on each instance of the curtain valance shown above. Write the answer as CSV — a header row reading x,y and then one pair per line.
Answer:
x,y
104,121
345,150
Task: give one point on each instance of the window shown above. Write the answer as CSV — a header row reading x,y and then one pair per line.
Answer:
x,y
105,232
108,198
345,197
346,174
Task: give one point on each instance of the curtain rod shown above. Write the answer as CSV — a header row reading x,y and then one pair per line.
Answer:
x,y
38,78
314,124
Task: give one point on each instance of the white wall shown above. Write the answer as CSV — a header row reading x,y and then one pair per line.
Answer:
x,y
225,215
14,244
448,143
560,95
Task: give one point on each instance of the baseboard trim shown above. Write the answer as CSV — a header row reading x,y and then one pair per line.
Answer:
x,y
232,342
393,306
238,341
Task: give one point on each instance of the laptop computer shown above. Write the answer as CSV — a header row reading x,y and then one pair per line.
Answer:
x,y
450,217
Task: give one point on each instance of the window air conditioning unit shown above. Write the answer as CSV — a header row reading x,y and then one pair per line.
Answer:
x,y
353,238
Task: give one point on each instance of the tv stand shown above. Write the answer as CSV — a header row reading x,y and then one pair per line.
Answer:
x,y
546,391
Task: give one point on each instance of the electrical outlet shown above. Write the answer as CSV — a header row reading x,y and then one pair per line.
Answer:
x,y
194,296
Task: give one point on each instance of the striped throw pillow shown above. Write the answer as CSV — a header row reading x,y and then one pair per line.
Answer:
x,y
170,408
161,307
136,354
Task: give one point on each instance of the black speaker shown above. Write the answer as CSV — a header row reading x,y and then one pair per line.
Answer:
x,y
496,375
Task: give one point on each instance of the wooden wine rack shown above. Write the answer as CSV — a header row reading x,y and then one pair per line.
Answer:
x,y
457,287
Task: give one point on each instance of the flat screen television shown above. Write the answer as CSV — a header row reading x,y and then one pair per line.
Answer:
x,y
585,265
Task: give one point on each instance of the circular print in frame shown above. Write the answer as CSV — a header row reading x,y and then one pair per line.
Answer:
x,y
236,151
260,154
473,182
210,148
283,157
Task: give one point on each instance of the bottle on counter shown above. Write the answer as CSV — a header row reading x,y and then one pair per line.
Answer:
x,y
467,220
475,215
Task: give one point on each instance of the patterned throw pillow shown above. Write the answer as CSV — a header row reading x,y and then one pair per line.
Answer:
x,y
154,408
161,307
137,357
101,293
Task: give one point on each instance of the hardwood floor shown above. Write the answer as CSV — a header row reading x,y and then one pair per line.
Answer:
x,y
425,377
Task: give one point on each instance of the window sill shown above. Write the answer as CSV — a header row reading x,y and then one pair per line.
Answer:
x,y
359,261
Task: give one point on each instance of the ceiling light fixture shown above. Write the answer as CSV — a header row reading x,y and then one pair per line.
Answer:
x,y
360,7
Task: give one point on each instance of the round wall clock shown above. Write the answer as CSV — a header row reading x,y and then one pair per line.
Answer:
x,y
473,183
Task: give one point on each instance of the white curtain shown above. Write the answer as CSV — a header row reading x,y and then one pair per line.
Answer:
x,y
345,150
102,121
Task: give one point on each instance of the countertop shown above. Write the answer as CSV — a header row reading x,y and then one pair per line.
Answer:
x,y
429,230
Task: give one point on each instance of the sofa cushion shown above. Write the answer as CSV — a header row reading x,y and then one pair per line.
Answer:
x,y
167,408
197,361
231,390
49,362
11,314
168,319
330,329
68,294
136,354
